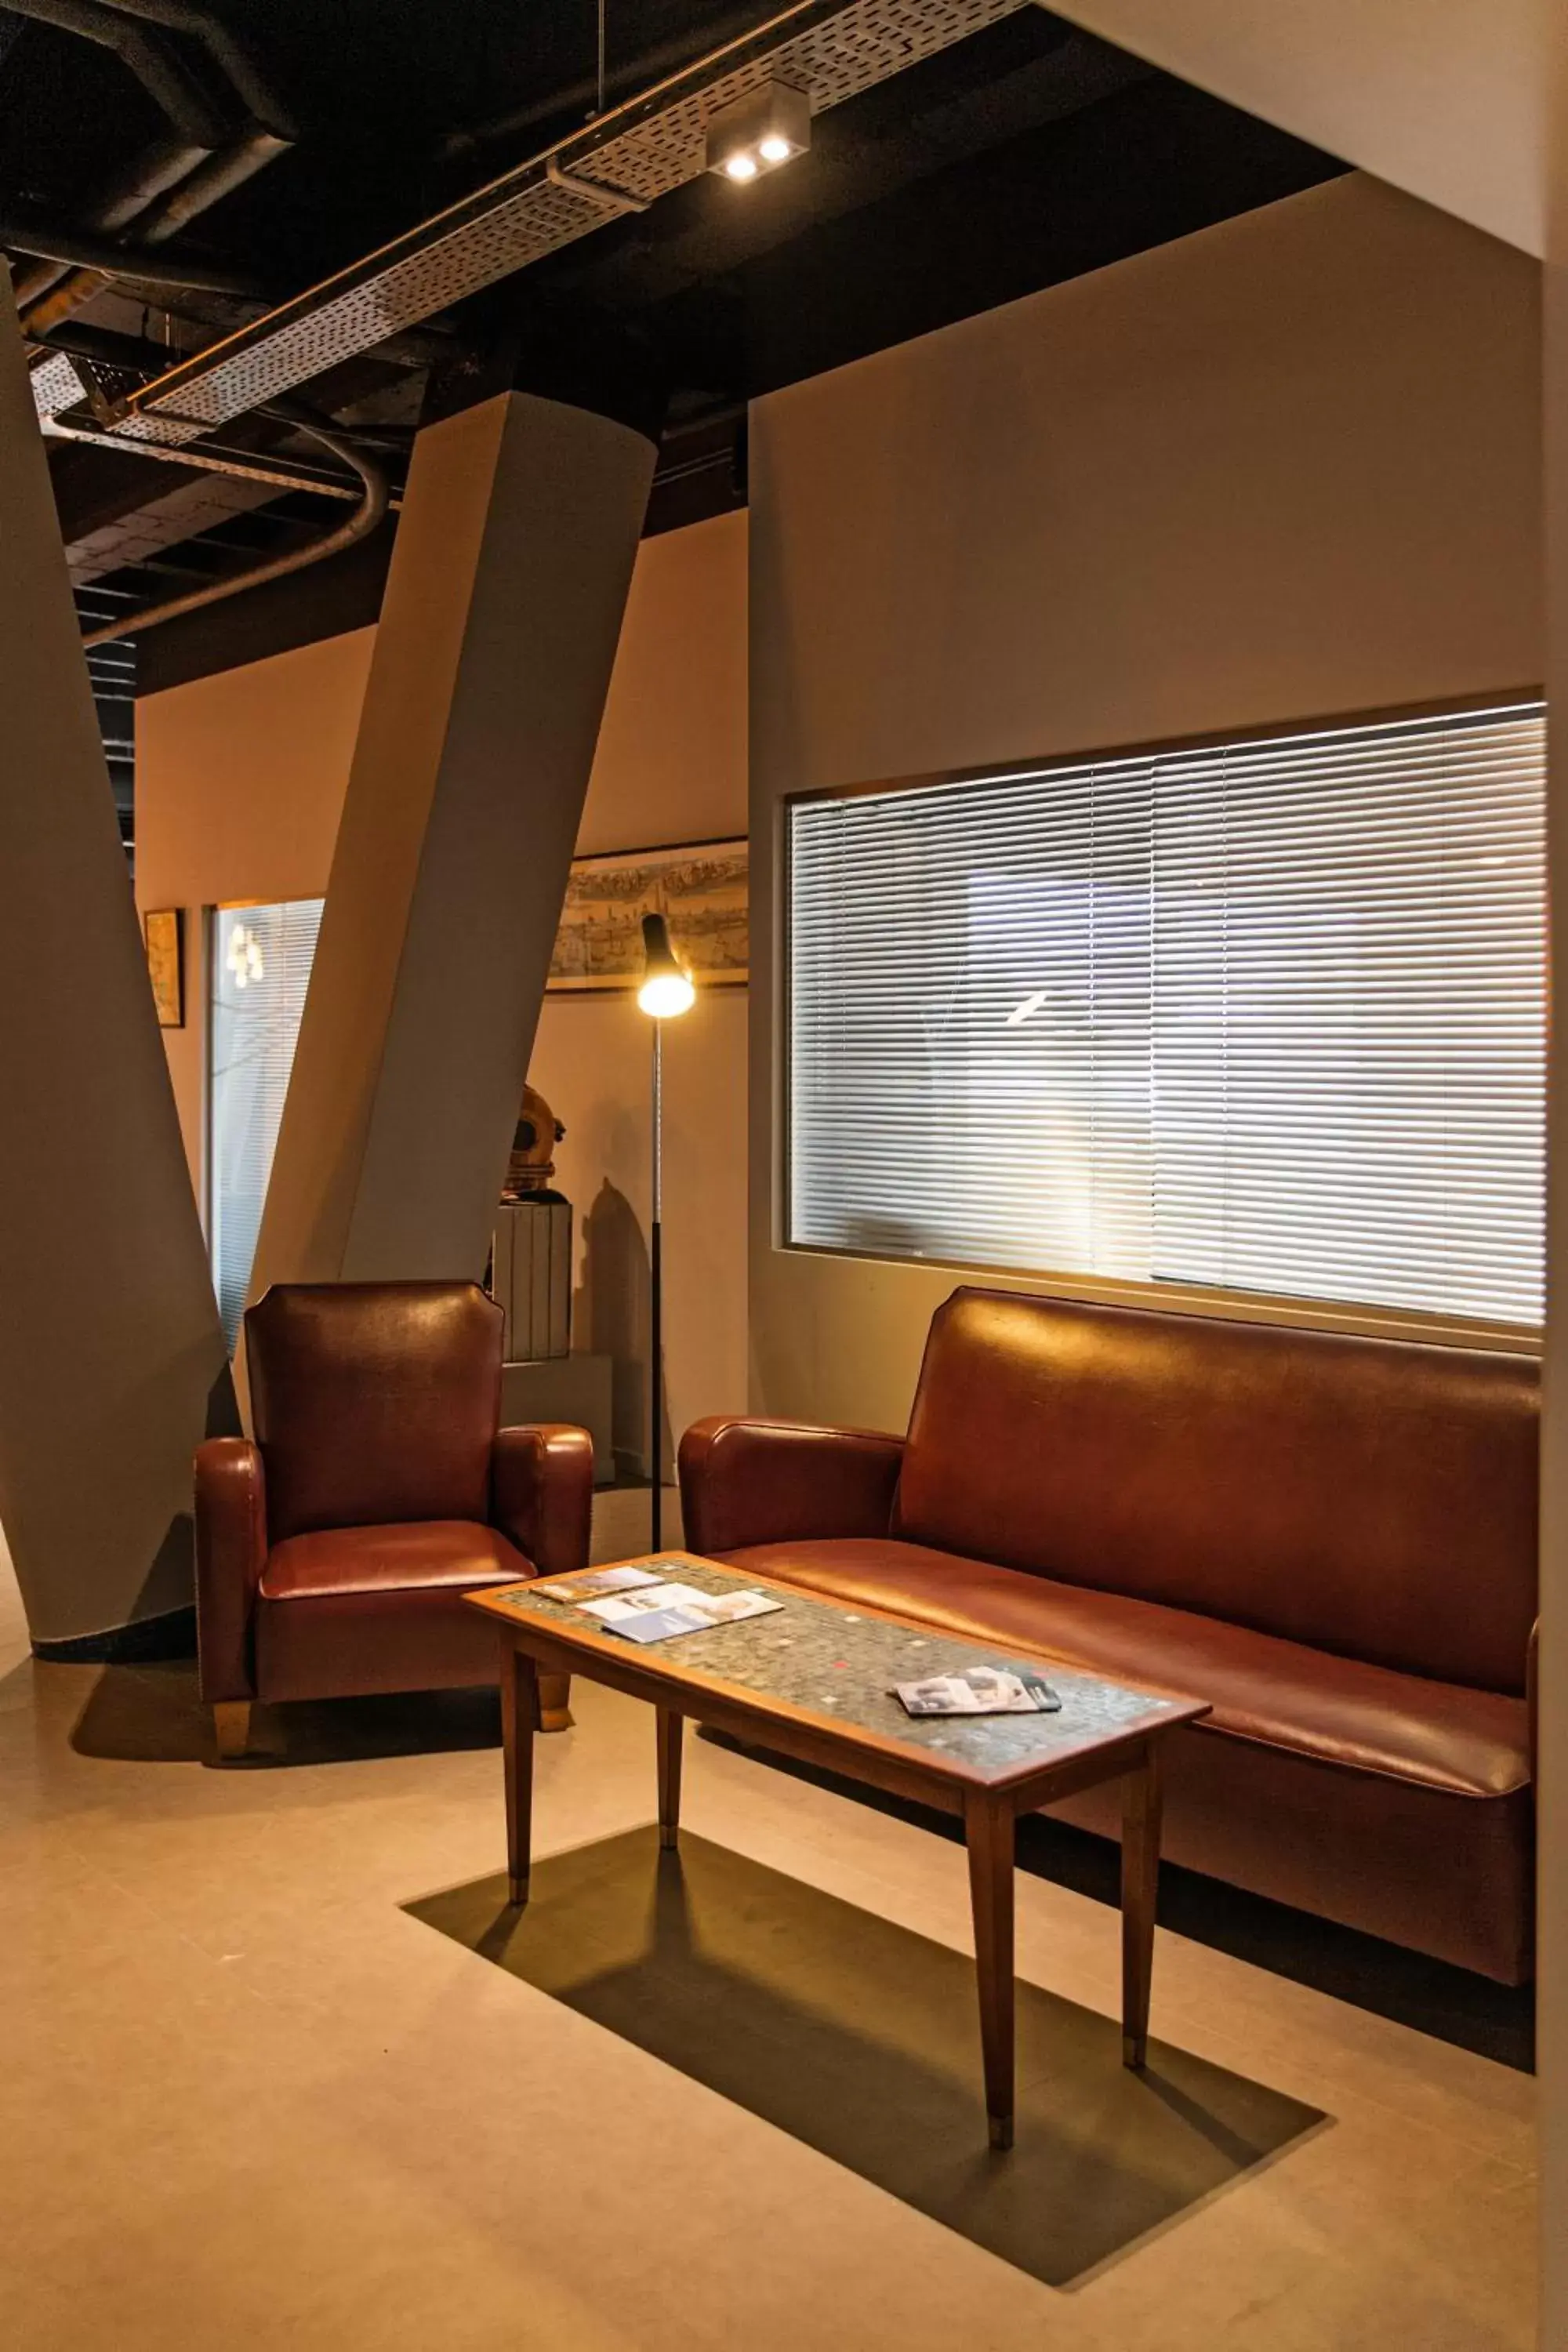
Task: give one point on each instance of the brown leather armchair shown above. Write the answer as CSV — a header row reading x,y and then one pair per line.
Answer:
x,y
333,1553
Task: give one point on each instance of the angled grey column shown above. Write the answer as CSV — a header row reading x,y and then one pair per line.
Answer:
x,y
111,1356
499,629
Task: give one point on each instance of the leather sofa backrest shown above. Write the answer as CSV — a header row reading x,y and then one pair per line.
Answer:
x,y
1367,1496
373,1401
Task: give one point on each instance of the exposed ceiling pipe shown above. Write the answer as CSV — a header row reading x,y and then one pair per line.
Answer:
x,y
83,251
212,178
366,515
203,175
162,74
251,83
158,169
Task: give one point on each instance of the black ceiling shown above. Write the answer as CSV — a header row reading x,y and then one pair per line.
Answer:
x,y
1022,156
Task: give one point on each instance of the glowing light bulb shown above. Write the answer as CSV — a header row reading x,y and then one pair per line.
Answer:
x,y
742,167
666,995
775,148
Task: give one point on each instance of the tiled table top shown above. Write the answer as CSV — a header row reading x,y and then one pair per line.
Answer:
x,y
838,1665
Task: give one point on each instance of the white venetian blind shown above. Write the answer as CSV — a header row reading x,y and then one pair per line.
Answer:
x,y
260,968
1266,1017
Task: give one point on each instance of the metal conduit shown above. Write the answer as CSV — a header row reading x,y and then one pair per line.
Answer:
x,y
363,519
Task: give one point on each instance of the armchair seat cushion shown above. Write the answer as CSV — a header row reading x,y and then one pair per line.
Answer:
x,y
449,1555
345,1611
1272,1693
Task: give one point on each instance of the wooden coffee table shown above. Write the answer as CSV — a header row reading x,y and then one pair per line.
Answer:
x,y
814,1681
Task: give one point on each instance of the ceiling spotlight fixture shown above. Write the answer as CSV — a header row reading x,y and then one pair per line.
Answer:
x,y
759,131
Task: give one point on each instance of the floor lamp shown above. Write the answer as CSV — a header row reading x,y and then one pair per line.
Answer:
x,y
666,991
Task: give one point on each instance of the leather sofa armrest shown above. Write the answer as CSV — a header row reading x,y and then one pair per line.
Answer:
x,y
231,1551
1532,1697
757,1482
541,1494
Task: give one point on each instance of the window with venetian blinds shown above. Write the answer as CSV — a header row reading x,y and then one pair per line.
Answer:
x,y
1267,1016
260,970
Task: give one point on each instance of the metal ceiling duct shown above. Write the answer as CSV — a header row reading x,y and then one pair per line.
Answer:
x,y
640,150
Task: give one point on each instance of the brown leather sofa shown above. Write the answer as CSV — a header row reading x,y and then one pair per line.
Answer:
x,y
1331,1540
333,1555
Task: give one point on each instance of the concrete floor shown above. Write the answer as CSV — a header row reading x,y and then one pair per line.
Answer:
x,y
248,2100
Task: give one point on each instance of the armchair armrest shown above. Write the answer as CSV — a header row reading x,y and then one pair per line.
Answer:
x,y
231,1550
1532,1698
541,1494
757,1482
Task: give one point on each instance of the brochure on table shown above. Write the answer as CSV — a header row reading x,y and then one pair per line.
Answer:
x,y
644,1607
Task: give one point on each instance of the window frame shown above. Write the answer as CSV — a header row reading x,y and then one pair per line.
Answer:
x,y
1290,1309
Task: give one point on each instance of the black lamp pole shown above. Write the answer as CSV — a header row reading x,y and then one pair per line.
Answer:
x,y
656,1270
666,991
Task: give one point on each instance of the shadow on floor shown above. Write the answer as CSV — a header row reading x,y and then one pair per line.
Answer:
x,y
861,2039
150,1714
1495,2021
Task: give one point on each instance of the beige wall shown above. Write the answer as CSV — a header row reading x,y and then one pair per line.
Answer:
x,y
1452,100
240,780
1284,468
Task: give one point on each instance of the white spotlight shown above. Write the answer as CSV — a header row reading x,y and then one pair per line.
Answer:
x,y
757,132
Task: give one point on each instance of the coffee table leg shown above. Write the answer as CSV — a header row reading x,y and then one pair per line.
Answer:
x,y
988,1832
669,1775
1141,1807
519,1717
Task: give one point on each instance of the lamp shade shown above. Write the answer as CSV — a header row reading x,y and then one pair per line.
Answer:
x,y
666,989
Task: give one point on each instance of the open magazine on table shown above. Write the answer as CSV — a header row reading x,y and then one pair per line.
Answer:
x,y
982,1690
646,1608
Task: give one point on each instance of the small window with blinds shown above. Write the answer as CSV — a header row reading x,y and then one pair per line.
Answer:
x,y
1265,1016
259,967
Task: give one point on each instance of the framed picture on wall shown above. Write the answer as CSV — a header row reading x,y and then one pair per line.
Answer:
x,y
700,888
164,928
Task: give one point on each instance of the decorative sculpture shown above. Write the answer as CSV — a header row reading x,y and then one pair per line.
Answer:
x,y
530,1253
530,1167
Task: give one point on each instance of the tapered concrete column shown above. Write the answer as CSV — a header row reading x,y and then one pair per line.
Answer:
x,y
111,1356
492,660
